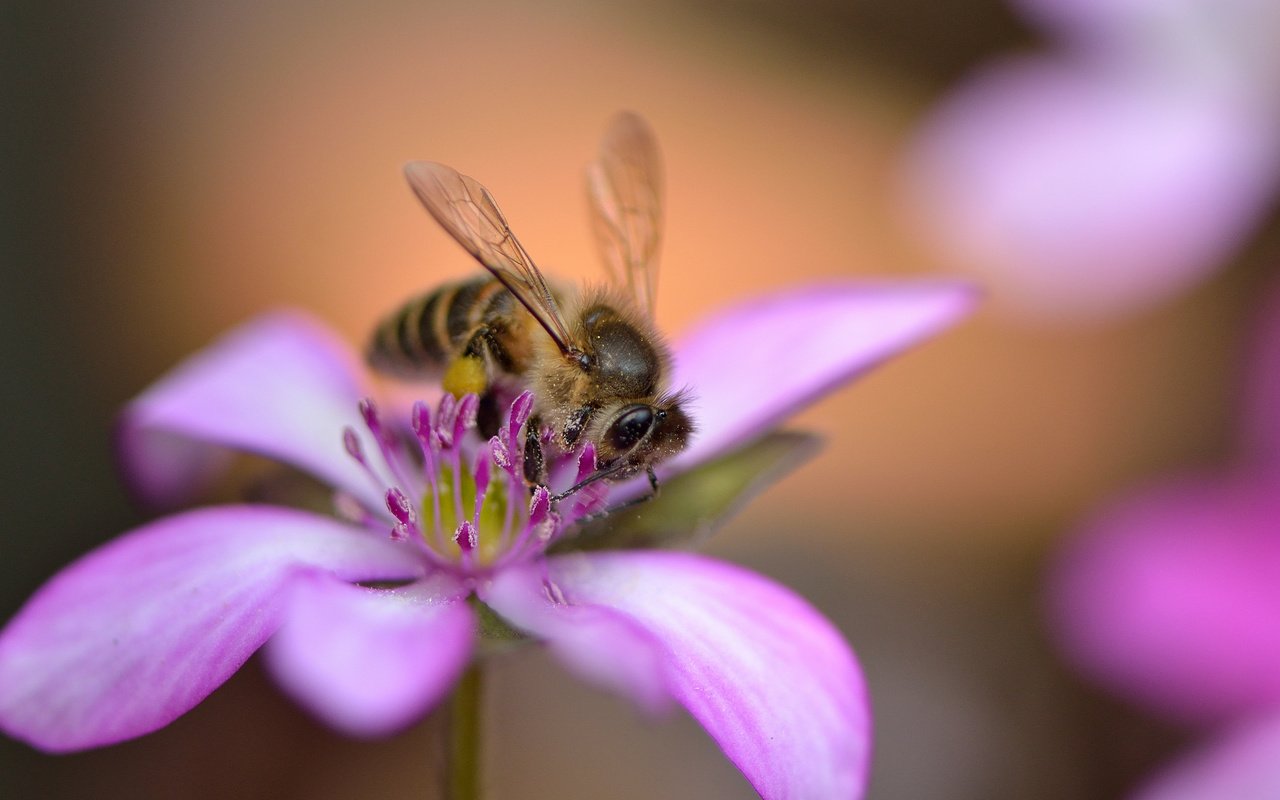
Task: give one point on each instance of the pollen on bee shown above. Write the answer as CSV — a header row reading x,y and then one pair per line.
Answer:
x,y
466,375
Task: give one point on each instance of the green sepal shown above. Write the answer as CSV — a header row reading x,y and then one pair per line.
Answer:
x,y
494,633
692,504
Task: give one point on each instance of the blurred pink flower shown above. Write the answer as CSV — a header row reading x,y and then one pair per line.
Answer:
x,y
1116,171
372,617
1172,598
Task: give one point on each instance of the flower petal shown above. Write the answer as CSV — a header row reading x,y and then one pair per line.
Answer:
x,y
1172,597
1086,187
821,337
280,386
137,632
597,644
1186,30
1244,765
371,661
768,677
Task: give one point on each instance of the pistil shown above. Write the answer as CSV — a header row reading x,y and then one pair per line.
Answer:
x,y
464,501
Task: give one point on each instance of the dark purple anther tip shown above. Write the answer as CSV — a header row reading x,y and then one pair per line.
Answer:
x,y
466,537
501,455
586,460
421,419
399,506
521,407
539,505
369,412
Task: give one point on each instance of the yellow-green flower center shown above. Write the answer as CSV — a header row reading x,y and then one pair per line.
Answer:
x,y
453,502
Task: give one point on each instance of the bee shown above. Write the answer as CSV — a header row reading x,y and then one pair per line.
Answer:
x,y
593,358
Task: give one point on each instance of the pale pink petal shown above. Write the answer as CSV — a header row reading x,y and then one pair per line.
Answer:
x,y
1173,597
1260,424
137,632
1243,765
1097,18
280,386
1081,187
1221,30
753,365
768,677
371,661
596,643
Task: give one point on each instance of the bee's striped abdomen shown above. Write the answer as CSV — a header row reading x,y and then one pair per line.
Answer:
x,y
423,336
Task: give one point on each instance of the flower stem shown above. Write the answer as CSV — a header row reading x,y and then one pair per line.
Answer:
x,y
463,767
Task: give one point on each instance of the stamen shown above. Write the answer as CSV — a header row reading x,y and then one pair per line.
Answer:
x,y
448,407
593,495
456,472
553,592
351,443
470,493
369,412
406,519
466,538
349,508
430,444
500,454
481,478
542,520
385,441
465,419
521,408
399,506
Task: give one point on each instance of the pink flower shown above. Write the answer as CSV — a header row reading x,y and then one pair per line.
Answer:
x,y
370,616
1115,171
1172,598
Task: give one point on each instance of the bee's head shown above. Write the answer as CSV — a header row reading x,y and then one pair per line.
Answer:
x,y
643,434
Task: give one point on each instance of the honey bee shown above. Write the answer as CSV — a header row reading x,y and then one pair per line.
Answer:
x,y
594,359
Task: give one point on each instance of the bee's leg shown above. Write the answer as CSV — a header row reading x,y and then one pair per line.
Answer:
x,y
632,503
535,470
469,372
577,422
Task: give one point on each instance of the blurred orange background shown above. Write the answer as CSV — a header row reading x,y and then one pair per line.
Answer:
x,y
180,168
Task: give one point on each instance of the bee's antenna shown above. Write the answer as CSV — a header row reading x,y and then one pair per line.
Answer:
x,y
598,475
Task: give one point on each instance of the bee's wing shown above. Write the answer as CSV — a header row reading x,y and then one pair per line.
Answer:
x,y
624,186
468,212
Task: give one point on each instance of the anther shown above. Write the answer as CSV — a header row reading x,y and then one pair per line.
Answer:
x,y
466,416
465,537
399,507
539,505
349,508
501,455
369,412
481,476
351,443
521,408
553,592
421,419
542,520
444,428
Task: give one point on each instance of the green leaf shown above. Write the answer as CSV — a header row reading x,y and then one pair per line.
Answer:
x,y
690,505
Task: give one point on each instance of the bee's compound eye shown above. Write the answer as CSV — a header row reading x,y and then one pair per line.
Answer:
x,y
630,427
